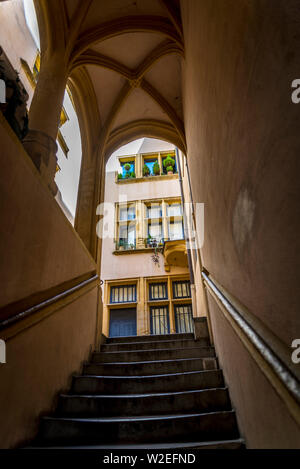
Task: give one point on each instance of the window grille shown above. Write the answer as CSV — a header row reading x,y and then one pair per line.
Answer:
x,y
159,320
123,294
158,291
184,319
182,289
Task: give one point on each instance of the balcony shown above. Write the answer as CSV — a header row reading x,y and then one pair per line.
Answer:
x,y
175,253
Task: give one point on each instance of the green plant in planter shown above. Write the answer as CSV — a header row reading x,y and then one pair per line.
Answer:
x,y
156,168
149,240
132,175
146,170
120,176
127,167
170,169
169,162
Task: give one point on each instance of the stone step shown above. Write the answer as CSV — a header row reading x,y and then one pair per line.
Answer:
x,y
193,445
150,368
206,400
89,384
145,429
150,345
151,338
152,355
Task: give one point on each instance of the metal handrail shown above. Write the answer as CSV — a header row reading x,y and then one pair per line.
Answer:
x,y
285,376
43,304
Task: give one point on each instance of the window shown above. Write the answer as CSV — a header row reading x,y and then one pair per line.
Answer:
x,y
183,318
158,291
127,213
182,289
150,162
174,210
141,225
175,229
123,294
126,171
154,210
127,235
165,171
155,230
159,320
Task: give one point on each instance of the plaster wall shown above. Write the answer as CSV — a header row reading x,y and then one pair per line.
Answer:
x,y
39,364
16,40
139,264
242,133
39,248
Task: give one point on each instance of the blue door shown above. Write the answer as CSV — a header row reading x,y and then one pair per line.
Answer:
x,y
122,322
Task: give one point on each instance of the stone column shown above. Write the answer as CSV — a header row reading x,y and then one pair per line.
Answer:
x,y
44,116
140,307
171,309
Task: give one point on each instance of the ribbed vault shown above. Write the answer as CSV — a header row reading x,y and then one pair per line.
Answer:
x,y
124,66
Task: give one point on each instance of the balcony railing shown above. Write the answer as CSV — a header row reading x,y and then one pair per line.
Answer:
x,y
147,243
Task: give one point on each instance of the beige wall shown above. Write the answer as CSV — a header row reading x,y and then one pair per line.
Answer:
x,y
139,264
39,248
39,364
242,134
16,40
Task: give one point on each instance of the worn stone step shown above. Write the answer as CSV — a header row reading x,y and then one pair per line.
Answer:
x,y
149,368
152,355
151,338
191,380
221,444
155,344
206,400
145,429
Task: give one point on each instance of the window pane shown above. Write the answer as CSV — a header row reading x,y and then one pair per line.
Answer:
x,y
154,211
155,230
123,294
159,320
174,210
175,230
182,289
150,163
158,291
124,171
127,234
184,319
127,213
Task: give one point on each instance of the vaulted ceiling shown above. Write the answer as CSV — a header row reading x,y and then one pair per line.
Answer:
x,y
127,55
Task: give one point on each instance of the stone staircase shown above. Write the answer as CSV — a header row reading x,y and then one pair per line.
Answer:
x,y
163,392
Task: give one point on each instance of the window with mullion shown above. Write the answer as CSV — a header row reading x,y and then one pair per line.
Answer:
x,y
183,318
127,213
154,210
155,230
175,230
127,234
181,289
131,170
123,294
158,291
159,320
174,209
